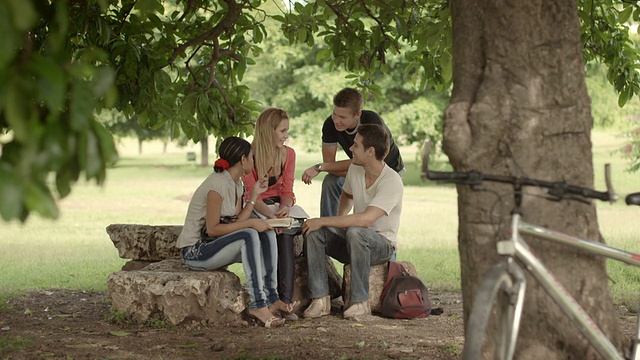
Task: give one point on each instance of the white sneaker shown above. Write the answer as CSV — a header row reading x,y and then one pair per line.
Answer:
x,y
318,307
357,310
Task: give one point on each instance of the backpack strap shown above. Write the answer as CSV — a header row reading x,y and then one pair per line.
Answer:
x,y
394,270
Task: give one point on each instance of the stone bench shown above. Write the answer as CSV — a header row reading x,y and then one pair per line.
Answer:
x,y
155,282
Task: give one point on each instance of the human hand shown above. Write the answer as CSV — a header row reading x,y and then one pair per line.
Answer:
x,y
260,186
283,211
311,225
309,174
260,225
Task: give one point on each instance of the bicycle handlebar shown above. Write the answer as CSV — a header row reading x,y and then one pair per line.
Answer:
x,y
559,189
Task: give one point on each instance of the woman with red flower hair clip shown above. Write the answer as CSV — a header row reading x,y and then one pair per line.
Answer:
x,y
218,230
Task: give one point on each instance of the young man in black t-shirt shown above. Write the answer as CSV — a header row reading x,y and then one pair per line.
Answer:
x,y
340,128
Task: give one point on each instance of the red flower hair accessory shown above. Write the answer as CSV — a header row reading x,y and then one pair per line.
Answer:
x,y
221,163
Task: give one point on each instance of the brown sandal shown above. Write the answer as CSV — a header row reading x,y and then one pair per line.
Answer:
x,y
279,307
272,322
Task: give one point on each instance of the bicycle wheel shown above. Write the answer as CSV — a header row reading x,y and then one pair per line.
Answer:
x,y
501,295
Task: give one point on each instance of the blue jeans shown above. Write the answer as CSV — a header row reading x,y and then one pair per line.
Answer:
x,y
330,195
358,246
256,251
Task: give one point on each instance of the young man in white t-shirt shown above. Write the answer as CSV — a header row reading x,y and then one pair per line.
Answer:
x,y
366,237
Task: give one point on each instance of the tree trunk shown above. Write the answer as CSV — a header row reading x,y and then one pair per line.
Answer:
x,y
204,147
520,107
139,146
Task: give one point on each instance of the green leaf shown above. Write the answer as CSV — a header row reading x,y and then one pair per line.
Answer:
x,y
149,6
38,198
11,195
82,105
623,98
17,110
63,182
23,14
189,105
108,151
119,333
94,160
625,14
8,43
102,81
50,82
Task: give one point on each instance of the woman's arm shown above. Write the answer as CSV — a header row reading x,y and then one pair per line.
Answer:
x,y
287,197
215,228
288,172
249,181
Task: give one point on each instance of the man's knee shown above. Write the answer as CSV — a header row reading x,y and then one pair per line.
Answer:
x,y
313,238
356,234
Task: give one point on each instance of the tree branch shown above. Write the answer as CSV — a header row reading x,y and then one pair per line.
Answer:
x,y
226,23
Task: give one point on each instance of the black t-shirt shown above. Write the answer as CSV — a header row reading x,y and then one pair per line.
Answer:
x,y
332,136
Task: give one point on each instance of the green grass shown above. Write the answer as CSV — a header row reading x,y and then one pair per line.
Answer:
x,y
75,251
10,343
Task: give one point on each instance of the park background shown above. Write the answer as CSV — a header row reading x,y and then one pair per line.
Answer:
x,y
151,181
153,187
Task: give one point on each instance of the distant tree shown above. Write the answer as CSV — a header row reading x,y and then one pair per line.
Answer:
x,y
120,125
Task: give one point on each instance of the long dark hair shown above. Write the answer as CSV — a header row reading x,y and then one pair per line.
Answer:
x,y
232,149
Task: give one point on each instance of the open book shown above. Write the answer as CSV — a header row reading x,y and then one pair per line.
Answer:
x,y
281,222
295,214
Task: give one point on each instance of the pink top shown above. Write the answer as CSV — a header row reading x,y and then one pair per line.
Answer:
x,y
282,188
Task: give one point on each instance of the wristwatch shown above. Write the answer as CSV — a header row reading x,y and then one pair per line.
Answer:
x,y
318,167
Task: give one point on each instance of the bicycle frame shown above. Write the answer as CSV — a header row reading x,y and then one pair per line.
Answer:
x,y
516,247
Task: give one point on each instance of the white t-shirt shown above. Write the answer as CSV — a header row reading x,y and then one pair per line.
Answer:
x,y
223,184
385,193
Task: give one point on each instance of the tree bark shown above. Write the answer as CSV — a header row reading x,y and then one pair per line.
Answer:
x,y
520,107
204,147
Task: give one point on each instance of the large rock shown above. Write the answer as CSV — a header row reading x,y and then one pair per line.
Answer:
x,y
377,281
156,282
145,242
170,291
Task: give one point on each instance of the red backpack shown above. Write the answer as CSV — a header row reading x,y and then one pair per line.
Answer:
x,y
404,296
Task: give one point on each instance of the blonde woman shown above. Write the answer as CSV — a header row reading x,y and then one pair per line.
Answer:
x,y
278,161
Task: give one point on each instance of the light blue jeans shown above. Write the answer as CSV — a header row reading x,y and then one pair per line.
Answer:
x,y
330,195
256,251
358,246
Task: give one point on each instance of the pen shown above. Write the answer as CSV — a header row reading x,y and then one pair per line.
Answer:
x,y
267,173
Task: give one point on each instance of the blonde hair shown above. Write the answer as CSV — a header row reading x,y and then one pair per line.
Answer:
x,y
265,151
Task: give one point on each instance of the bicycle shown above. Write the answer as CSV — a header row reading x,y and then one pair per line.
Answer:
x,y
505,281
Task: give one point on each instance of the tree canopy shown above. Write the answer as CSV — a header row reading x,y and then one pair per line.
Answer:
x,y
180,65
